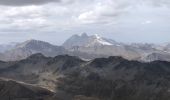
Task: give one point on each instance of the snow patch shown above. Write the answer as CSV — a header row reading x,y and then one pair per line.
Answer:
x,y
103,42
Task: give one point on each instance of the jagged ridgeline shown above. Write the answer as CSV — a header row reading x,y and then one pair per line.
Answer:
x,y
112,78
86,47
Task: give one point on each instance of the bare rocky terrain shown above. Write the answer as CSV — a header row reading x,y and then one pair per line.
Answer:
x,y
112,78
13,90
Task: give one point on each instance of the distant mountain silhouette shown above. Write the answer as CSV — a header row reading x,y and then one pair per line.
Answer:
x,y
87,47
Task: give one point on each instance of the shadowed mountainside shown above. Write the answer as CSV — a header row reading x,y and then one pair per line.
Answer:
x,y
12,90
112,78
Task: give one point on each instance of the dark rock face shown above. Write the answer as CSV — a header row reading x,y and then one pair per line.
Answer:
x,y
11,90
112,78
127,80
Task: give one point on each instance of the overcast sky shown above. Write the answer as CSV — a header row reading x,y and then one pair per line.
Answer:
x,y
55,20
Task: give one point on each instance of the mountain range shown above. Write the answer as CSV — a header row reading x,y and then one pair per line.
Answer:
x,y
85,67
67,77
87,47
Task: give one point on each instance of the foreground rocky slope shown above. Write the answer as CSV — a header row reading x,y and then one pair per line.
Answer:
x,y
12,90
112,78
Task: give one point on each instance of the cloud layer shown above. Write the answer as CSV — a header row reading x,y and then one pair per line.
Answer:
x,y
25,2
111,16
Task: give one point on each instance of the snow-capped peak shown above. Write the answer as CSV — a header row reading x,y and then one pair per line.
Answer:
x,y
86,41
98,40
103,42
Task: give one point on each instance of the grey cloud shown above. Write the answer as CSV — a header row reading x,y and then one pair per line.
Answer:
x,y
154,3
161,2
31,2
